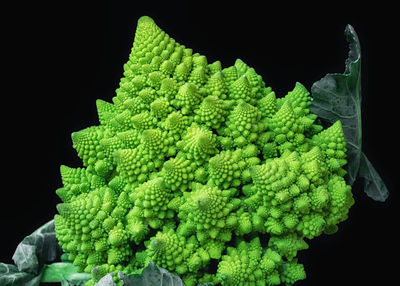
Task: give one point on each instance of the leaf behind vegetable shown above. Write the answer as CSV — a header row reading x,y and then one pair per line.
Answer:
x,y
373,184
338,97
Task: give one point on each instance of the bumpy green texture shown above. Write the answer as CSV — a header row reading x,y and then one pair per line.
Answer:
x,y
201,170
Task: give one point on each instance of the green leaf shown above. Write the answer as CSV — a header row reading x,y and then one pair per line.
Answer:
x,y
11,276
151,275
64,271
36,249
25,258
374,185
338,97
31,254
32,258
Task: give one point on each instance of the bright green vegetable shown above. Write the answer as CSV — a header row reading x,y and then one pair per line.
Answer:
x,y
195,165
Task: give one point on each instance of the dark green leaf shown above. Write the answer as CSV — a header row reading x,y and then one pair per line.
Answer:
x,y
338,97
374,185
25,258
36,249
151,275
11,276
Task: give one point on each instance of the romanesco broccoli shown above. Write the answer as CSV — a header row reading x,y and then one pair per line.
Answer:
x,y
194,165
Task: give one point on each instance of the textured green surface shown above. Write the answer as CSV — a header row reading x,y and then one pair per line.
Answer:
x,y
191,163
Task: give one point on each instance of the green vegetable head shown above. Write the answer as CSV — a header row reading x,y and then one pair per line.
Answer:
x,y
194,164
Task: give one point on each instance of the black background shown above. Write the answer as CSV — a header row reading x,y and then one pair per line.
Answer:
x,y
60,57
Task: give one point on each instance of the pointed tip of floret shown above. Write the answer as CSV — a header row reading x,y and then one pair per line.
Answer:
x,y
337,126
150,135
100,103
63,209
254,170
210,101
334,131
286,105
285,109
299,85
145,20
146,29
215,163
158,183
217,75
241,66
239,62
65,171
78,136
241,81
169,166
243,105
157,244
119,155
271,95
